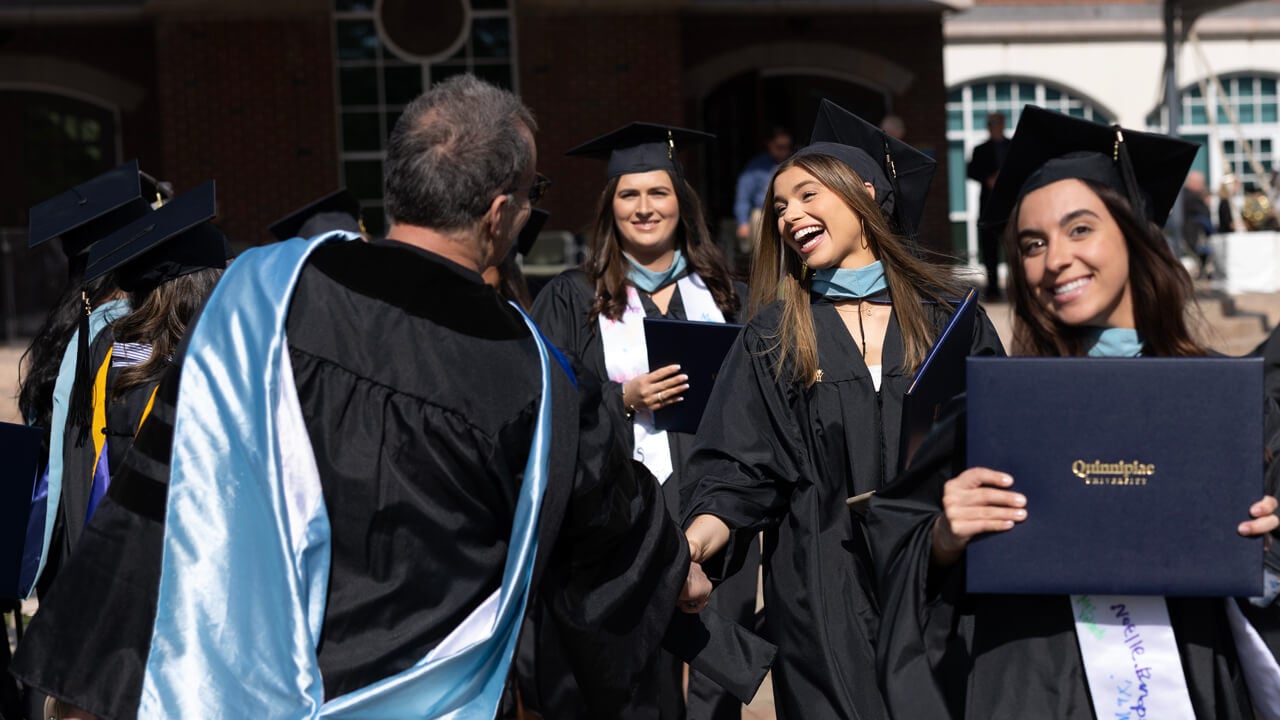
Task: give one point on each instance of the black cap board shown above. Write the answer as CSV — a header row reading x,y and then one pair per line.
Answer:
x,y
95,208
899,173
641,147
529,233
338,210
170,242
1048,146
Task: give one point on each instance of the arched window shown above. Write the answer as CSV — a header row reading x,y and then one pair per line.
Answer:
x,y
1253,98
56,140
967,108
375,83
59,141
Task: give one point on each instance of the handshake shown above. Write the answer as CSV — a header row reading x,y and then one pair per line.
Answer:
x,y
706,535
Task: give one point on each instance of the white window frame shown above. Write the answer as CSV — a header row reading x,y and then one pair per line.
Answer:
x,y
971,136
380,63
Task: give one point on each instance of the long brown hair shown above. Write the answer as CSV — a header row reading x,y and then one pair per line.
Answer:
x,y
607,267
160,319
1160,291
777,273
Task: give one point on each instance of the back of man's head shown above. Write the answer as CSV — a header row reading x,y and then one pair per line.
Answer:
x,y
995,124
455,148
1195,181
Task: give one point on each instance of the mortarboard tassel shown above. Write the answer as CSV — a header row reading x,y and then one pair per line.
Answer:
x,y
1120,153
892,171
81,404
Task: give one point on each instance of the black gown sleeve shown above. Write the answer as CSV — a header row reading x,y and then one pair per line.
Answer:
x,y
563,312
89,642
986,342
916,624
124,418
79,458
745,466
618,565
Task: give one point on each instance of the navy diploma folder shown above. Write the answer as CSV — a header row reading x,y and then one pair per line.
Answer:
x,y
1137,472
20,449
699,349
941,377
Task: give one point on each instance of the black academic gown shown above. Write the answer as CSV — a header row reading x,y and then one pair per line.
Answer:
x,y
944,653
78,460
563,312
783,459
419,463
122,415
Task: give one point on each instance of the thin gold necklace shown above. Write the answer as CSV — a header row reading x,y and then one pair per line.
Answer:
x,y
862,334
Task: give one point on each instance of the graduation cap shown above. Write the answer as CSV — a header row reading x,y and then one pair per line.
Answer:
x,y
641,147
899,173
1048,146
338,210
529,233
96,208
172,241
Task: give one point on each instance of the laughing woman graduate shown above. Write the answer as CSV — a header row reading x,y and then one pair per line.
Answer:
x,y
1091,275
809,404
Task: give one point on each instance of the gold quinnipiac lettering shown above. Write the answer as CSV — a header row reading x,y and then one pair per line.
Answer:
x,y
1122,473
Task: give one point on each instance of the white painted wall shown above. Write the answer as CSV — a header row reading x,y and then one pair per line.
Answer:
x,y
1124,78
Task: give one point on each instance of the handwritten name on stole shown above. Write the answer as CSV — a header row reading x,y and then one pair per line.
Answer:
x,y
1130,657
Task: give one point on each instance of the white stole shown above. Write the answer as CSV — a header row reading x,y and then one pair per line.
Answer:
x,y
1130,657
626,356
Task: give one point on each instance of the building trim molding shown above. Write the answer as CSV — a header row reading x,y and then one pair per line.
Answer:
x,y
851,64
56,75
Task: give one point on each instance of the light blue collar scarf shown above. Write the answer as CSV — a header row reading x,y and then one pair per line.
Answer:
x,y
856,284
651,281
1113,342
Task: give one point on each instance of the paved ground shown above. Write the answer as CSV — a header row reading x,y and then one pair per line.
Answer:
x,y
1231,335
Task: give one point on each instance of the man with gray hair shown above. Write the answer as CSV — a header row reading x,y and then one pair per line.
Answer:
x,y
371,465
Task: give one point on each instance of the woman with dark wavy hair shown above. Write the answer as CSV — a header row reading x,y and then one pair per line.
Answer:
x,y
650,255
166,272
54,387
1091,275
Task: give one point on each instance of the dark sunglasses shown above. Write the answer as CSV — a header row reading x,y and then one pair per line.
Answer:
x,y
537,189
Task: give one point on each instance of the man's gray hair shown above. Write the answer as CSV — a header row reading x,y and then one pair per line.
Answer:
x,y
455,148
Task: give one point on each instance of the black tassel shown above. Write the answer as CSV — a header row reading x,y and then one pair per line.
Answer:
x,y
1132,189
898,211
80,408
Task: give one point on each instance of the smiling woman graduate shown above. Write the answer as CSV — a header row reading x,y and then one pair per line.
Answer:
x,y
650,255
1092,275
809,403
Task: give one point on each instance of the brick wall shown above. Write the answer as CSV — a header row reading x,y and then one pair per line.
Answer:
x,y
250,103
585,75
910,40
123,50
